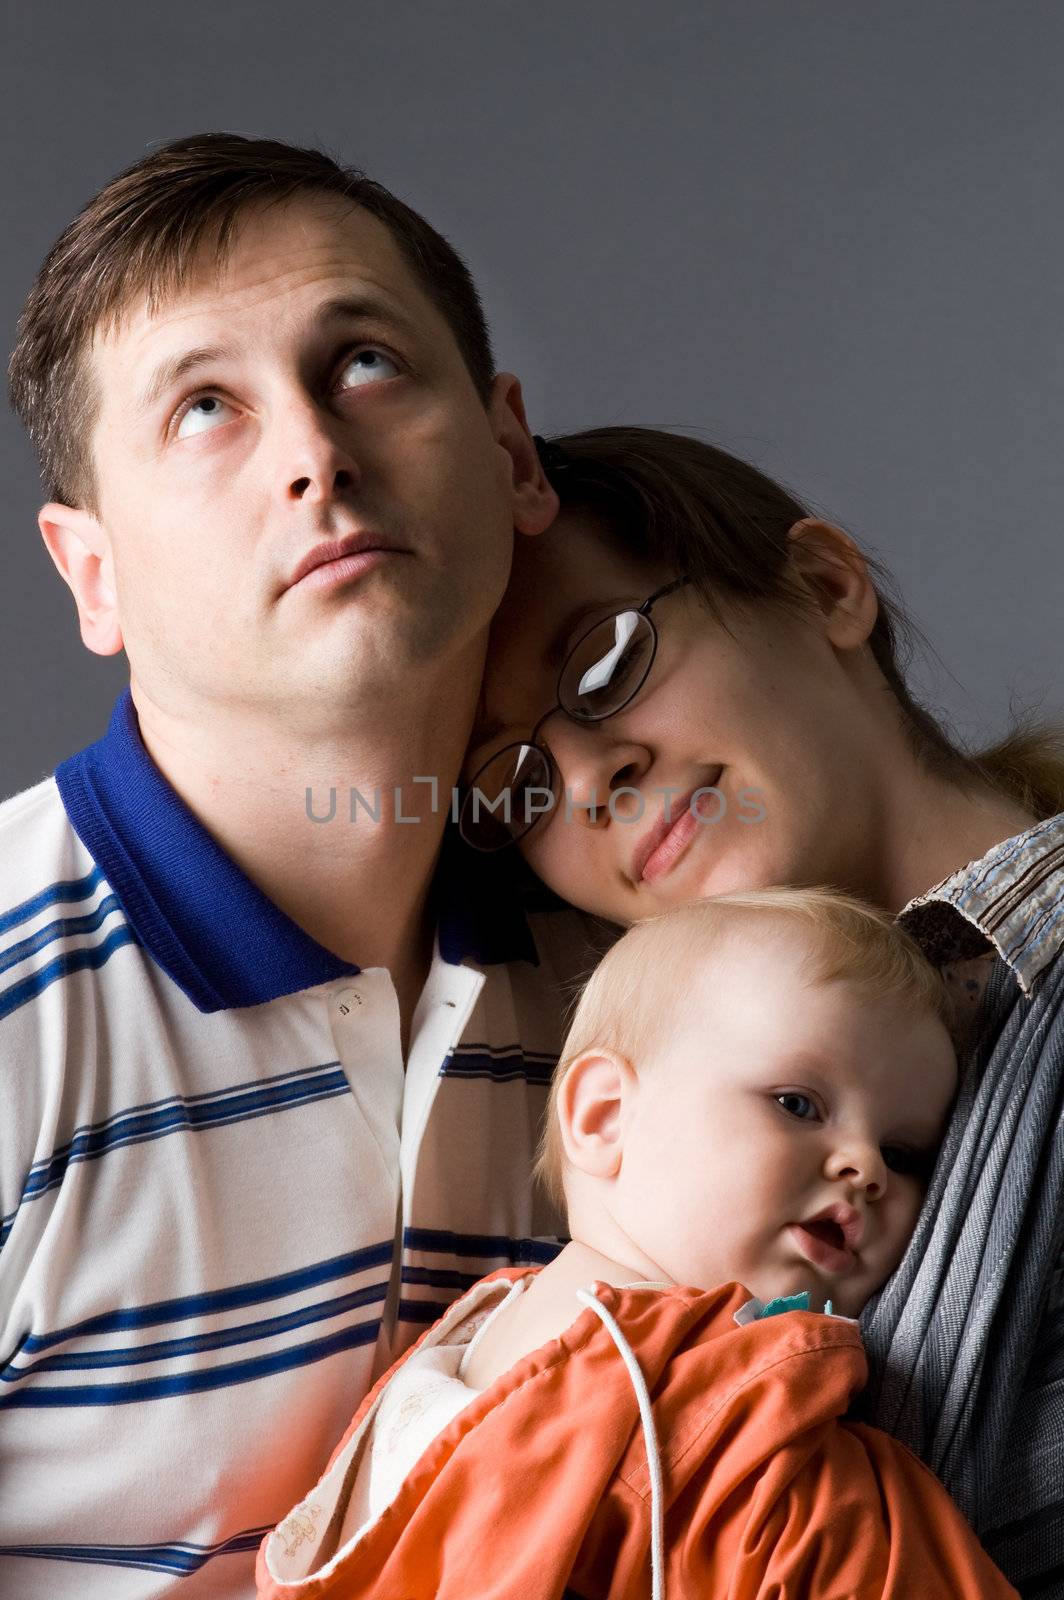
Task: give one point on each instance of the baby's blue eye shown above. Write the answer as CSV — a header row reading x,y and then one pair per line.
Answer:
x,y
367,366
797,1105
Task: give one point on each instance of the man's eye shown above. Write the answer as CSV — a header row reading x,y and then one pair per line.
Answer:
x,y
908,1163
202,415
798,1105
367,366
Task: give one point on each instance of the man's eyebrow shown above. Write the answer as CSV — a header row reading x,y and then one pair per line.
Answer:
x,y
362,308
346,308
170,372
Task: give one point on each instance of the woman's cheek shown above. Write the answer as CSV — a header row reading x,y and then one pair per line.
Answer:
x,y
563,866
557,860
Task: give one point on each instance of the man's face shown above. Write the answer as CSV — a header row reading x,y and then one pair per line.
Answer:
x,y
308,395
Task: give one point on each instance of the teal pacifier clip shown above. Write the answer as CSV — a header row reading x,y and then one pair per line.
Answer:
x,y
756,1310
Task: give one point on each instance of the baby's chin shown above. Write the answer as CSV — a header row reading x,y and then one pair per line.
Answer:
x,y
845,1304
850,1300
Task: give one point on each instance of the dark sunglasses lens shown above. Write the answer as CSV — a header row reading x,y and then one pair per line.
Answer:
x,y
607,667
507,795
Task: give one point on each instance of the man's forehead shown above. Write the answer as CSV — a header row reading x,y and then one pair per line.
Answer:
x,y
282,262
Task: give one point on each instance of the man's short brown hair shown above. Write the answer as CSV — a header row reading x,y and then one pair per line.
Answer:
x,y
141,235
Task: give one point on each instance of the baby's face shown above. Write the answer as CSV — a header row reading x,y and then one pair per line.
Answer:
x,y
785,1133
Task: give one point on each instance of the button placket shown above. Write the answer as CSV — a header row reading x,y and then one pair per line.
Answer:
x,y
365,1026
452,993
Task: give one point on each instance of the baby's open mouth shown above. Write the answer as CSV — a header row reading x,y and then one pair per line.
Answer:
x,y
827,1230
822,1241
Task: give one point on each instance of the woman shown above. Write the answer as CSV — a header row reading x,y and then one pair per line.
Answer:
x,y
693,687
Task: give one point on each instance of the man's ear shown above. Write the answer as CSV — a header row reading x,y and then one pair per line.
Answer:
x,y
595,1094
81,550
535,503
833,569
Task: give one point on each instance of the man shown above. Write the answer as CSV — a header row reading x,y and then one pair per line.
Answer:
x,y
272,1078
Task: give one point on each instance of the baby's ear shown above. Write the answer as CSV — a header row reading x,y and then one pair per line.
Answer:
x,y
591,1105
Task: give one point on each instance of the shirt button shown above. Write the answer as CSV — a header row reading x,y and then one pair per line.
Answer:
x,y
347,1001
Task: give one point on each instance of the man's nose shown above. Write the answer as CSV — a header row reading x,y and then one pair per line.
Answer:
x,y
314,463
859,1161
596,770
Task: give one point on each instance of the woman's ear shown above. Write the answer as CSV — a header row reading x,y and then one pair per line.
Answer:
x,y
833,569
596,1092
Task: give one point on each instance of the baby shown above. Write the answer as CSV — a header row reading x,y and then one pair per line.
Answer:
x,y
741,1127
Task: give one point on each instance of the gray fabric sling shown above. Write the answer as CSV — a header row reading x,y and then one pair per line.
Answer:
x,y
966,1342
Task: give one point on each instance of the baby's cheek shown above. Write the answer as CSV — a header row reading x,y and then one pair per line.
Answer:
x,y
902,1227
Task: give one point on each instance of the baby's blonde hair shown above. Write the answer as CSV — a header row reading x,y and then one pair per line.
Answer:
x,y
652,969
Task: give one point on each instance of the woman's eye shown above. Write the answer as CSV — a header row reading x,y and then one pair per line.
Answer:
x,y
367,366
798,1105
624,668
202,415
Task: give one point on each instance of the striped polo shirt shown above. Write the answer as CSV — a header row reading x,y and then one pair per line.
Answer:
x,y
226,1201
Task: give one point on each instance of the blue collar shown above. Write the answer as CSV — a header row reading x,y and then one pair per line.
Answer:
x,y
207,925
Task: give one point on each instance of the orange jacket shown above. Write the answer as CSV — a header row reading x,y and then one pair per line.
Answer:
x,y
542,1483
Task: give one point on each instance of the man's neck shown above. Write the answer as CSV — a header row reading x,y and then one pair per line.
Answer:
x,y
316,823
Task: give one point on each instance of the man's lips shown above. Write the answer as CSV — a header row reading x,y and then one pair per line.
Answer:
x,y
669,836
831,1239
333,550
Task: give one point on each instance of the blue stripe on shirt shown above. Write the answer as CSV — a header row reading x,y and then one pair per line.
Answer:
x,y
89,959
64,928
180,1114
497,1249
220,1339
220,1300
441,1278
421,1311
481,1246
508,1065
179,1556
197,1382
65,893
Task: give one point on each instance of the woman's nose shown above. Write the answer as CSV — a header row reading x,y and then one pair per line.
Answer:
x,y
601,775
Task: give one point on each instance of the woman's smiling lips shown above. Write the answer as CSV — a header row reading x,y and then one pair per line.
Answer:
x,y
670,835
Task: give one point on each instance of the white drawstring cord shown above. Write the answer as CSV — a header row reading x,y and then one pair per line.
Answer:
x,y
646,1417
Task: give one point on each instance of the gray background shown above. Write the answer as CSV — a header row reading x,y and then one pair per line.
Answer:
x,y
828,236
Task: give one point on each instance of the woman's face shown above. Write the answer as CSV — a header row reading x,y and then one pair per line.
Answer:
x,y
766,715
